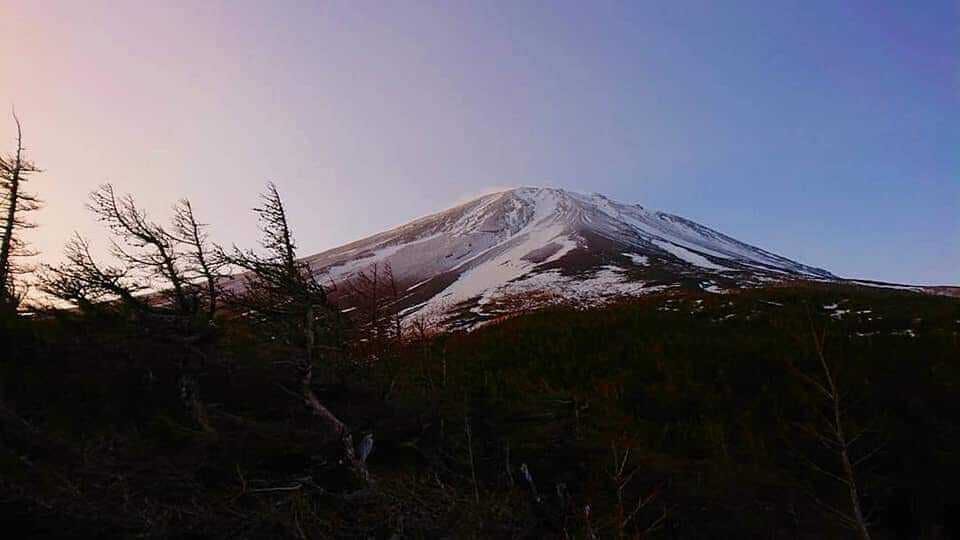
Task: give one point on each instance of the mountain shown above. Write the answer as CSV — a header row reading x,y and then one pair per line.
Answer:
x,y
528,246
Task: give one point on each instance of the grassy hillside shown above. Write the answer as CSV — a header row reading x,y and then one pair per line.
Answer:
x,y
672,417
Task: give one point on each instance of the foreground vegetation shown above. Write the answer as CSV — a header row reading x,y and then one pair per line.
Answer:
x,y
176,401
670,417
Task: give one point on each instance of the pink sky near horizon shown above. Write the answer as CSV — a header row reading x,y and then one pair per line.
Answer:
x,y
105,95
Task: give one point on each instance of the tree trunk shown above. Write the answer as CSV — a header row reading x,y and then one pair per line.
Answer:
x,y
190,400
318,410
6,242
860,520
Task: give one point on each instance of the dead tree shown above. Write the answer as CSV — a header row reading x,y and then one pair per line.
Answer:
x,y
165,279
281,295
144,247
15,202
90,286
837,435
626,512
374,295
201,266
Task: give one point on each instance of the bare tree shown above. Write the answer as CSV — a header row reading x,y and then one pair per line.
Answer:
x,y
626,512
15,201
281,295
374,295
159,272
201,263
144,247
165,279
838,435
81,281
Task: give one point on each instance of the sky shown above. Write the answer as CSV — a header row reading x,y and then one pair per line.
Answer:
x,y
824,131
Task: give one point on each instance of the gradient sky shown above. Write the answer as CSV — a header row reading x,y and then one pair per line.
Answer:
x,y
828,132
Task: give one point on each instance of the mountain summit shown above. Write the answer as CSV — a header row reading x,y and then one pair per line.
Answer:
x,y
530,246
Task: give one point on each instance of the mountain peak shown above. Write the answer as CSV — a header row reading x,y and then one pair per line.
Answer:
x,y
548,245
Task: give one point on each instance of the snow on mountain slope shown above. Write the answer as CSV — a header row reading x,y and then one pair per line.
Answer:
x,y
551,245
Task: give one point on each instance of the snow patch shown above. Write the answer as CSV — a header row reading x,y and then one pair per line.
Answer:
x,y
887,286
688,256
637,259
713,288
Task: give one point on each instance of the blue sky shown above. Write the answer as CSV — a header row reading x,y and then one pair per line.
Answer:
x,y
828,132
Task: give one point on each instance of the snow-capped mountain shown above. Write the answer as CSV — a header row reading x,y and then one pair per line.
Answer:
x,y
531,246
